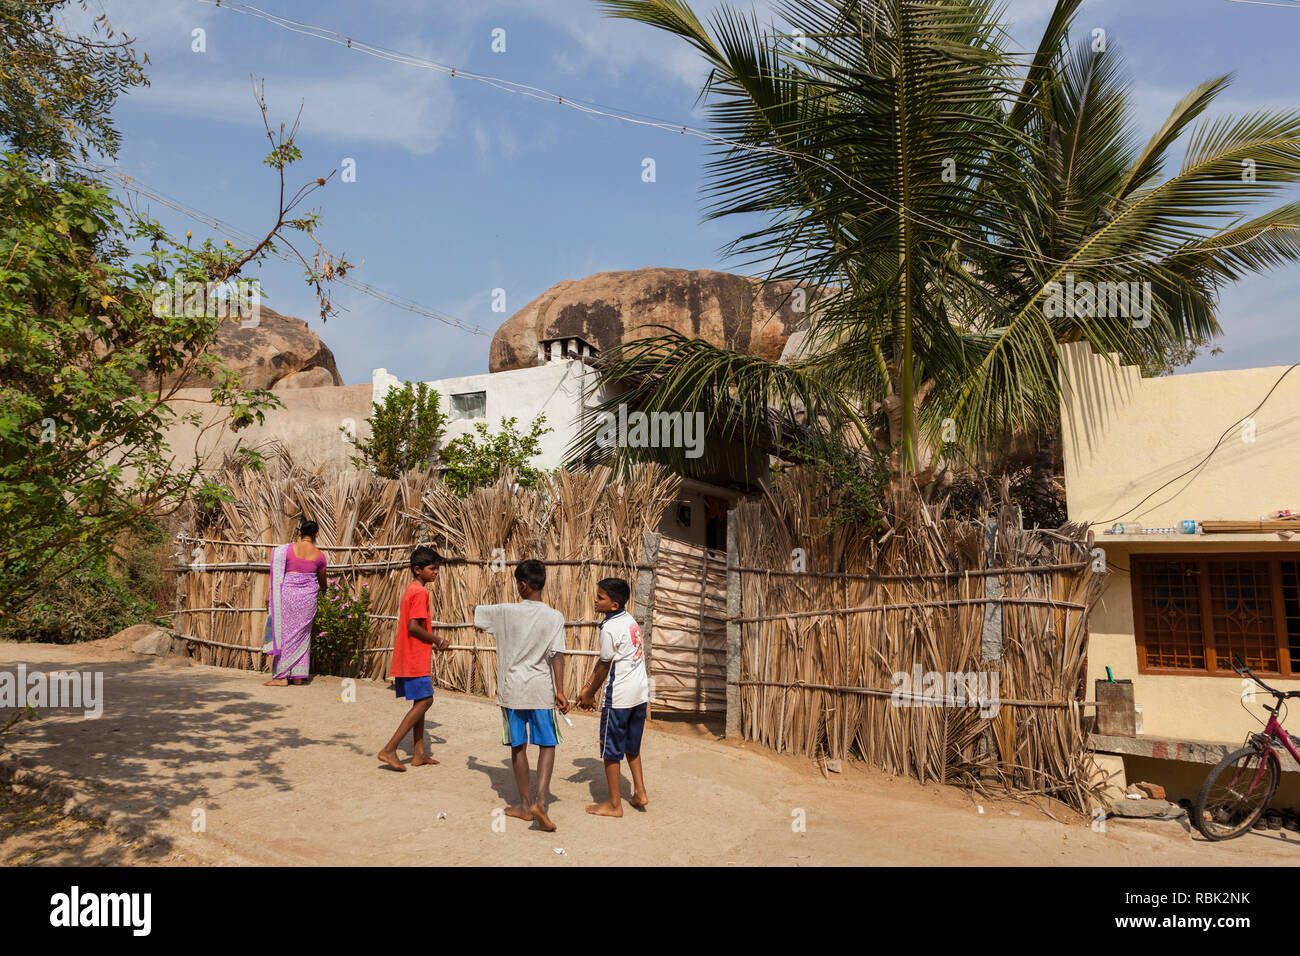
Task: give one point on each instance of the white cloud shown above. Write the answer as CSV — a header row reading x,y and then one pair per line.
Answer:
x,y
394,106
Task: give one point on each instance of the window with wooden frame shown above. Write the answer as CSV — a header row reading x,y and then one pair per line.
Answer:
x,y
1191,613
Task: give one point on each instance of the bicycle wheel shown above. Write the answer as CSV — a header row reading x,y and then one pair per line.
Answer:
x,y
1236,793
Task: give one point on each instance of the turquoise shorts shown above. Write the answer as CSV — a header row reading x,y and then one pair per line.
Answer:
x,y
540,727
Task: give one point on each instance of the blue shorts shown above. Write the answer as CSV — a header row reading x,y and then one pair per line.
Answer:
x,y
620,731
413,688
540,727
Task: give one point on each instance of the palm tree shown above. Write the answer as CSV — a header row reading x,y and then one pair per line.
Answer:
x,y
937,194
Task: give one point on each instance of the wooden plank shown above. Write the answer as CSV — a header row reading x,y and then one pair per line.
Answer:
x,y
645,603
733,628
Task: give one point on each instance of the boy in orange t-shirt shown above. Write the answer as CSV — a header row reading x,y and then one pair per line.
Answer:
x,y
412,654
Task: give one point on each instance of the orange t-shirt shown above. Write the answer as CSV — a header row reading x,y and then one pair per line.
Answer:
x,y
411,655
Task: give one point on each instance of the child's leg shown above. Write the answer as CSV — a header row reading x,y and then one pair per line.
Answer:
x,y
639,797
422,758
389,754
545,764
613,806
519,761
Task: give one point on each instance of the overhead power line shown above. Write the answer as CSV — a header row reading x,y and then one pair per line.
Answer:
x,y
626,116
131,184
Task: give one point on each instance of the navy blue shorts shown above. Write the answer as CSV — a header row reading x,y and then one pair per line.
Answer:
x,y
620,731
413,688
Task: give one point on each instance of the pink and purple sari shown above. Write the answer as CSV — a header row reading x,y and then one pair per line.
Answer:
x,y
291,608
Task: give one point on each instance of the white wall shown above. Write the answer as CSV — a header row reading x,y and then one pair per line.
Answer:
x,y
554,389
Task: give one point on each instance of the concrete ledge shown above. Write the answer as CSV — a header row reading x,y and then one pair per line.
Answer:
x,y
1189,751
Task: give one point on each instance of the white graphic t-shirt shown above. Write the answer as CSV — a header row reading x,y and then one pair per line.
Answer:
x,y
620,644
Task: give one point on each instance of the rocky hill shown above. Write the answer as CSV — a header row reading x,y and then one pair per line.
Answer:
x,y
280,353
736,312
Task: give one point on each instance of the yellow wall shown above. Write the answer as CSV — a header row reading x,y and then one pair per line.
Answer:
x,y
1124,436
1196,707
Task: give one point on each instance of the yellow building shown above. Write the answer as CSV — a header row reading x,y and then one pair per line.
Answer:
x,y
1212,446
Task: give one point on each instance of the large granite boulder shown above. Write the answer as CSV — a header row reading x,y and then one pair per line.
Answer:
x,y
739,313
279,351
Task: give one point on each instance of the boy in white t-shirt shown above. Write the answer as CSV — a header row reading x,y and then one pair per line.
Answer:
x,y
530,685
622,720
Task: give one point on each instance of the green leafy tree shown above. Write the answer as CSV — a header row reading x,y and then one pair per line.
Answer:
x,y
479,458
58,89
938,187
405,431
92,353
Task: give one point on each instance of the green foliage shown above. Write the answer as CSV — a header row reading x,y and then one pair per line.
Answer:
x,y
92,345
405,430
58,90
341,628
474,460
857,481
85,601
941,189
85,358
974,497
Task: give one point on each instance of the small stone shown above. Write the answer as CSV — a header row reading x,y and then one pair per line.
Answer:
x,y
834,766
1152,790
1146,809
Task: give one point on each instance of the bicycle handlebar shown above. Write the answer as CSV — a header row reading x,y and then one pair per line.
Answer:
x,y
1240,667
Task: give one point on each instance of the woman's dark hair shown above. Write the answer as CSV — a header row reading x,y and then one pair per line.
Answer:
x,y
422,557
617,589
532,573
308,529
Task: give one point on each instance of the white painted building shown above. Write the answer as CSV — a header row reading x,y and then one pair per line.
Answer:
x,y
556,387
553,388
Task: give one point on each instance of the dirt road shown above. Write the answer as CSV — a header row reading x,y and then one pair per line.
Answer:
x,y
288,775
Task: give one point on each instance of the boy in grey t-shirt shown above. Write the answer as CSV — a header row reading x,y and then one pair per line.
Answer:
x,y
530,684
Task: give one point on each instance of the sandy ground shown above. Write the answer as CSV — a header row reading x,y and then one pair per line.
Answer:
x,y
288,776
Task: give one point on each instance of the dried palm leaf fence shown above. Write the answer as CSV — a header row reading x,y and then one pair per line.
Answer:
x,y
585,526
820,648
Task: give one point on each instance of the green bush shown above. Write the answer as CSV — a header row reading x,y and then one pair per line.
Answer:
x,y
405,430
479,458
86,601
341,627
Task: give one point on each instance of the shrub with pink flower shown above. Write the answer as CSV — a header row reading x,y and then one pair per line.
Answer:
x,y
341,628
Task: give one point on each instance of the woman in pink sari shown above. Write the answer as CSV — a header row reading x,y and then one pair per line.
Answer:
x,y
297,579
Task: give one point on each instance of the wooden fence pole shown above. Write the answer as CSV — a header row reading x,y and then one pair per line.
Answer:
x,y
733,627
644,599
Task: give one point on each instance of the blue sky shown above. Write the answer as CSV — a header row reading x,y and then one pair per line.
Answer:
x,y
462,189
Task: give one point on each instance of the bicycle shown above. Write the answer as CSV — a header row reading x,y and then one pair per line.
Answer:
x,y
1238,789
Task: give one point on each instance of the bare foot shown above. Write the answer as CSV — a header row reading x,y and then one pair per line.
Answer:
x,y
639,800
519,812
543,821
390,758
423,760
275,682
605,809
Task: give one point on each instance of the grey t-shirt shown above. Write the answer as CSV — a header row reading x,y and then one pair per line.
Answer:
x,y
528,635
